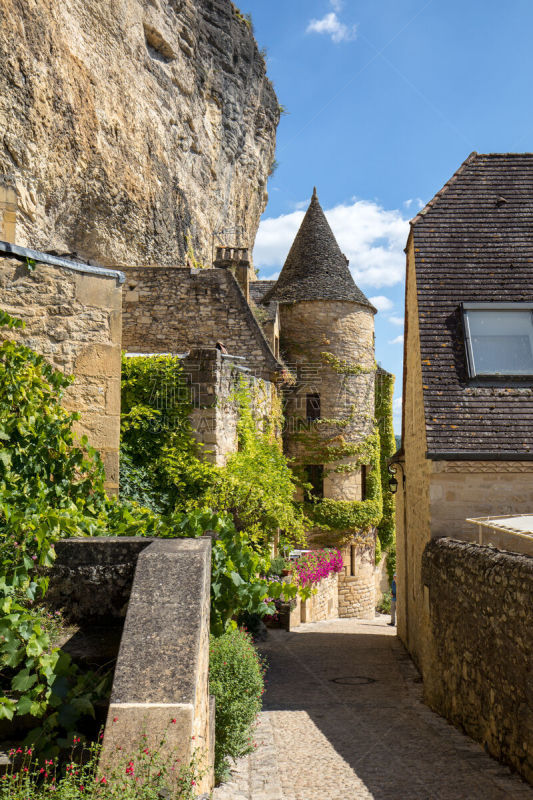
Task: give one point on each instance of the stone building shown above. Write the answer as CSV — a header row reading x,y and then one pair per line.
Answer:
x,y
313,323
73,317
467,438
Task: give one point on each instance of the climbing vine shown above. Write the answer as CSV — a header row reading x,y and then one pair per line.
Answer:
x,y
384,393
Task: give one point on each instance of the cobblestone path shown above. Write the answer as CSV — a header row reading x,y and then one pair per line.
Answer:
x,y
343,719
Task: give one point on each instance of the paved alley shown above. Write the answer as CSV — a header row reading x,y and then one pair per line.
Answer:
x,y
343,719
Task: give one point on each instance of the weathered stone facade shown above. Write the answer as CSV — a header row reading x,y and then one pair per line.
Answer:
x,y
312,331
478,674
73,319
357,585
176,309
213,381
324,604
133,131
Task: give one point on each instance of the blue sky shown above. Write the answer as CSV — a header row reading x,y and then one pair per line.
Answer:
x,y
386,99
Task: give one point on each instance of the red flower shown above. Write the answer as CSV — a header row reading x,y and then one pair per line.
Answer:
x,y
173,721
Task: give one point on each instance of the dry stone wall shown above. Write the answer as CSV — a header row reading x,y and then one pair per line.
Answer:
x,y
176,309
479,675
73,319
127,126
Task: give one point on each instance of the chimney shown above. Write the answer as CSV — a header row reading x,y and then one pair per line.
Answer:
x,y
8,213
237,260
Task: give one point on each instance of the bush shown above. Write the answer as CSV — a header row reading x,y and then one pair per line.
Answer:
x,y
236,679
383,607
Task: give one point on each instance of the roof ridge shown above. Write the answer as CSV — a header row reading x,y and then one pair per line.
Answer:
x,y
436,197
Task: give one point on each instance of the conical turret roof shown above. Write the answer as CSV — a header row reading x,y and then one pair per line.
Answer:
x,y
315,268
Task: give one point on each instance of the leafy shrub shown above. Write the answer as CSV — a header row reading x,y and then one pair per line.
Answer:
x,y
162,468
236,679
277,566
383,607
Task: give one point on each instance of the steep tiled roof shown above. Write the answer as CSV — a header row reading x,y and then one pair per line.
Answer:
x,y
315,268
474,242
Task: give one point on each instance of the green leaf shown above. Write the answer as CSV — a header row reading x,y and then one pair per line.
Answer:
x,y
23,681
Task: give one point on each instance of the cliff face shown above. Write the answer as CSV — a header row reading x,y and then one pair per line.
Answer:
x,y
128,124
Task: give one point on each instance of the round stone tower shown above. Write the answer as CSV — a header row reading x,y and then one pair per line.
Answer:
x,y
327,340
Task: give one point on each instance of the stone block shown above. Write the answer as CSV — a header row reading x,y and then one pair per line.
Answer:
x,y
99,359
165,693
102,432
100,291
112,396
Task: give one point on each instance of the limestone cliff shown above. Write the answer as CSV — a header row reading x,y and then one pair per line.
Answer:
x,y
126,124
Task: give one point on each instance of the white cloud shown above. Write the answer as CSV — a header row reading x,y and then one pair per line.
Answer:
x,y
371,237
336,4
397,405
397,340
331,25
414,201
396,320
381,302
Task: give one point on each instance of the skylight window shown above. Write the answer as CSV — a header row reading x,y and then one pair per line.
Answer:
x,y
499,339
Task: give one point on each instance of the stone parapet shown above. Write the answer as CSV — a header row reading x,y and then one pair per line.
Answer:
x,y
477,669
160,686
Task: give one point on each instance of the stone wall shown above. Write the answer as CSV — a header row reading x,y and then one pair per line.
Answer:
x,y
413,519
462,489
73,319
324,604
357,589
479,673
176,309
91,578
213,379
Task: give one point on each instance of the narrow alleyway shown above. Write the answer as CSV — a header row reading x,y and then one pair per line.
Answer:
x,y
343,719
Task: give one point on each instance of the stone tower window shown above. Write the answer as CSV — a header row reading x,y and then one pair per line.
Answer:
x,y
312,406
314,474
364,475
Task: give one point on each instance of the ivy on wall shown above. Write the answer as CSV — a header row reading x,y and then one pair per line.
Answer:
x,y
387,526
343,520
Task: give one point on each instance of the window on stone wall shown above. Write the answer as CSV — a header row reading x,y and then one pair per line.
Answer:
x,y
312,406
314,474
364,476
353,554
499,339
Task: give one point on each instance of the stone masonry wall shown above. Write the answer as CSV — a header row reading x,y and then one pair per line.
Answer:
x,y
176,309
357,590
213,379
325,603
413,519
479,675
73,319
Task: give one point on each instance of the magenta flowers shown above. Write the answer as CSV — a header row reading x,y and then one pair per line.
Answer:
x,y
315,566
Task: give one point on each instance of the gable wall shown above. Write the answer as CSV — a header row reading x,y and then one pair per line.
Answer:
x,y
176,309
